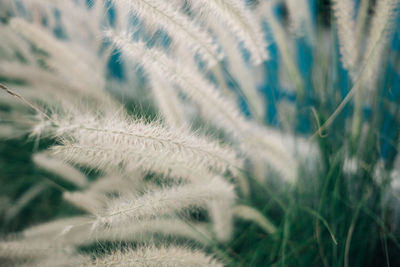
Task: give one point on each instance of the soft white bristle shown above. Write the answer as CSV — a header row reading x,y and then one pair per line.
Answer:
x,y
177,25
112,143
61,169
345,19
166,201
152,256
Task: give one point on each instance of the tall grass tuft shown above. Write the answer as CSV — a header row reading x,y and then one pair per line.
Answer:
x,y
199,133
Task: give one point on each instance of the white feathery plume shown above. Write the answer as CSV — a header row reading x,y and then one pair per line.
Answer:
x,y
142,231
109,184
86,41
168,103
240,71
221,213
64,59
45,85
58,258
300,17
177,25
278,33
112,143
278,151
240,21
76,231
251,214
12,44
361,23
40,10
98,193
89,21
60,168
259,169
17,249
124,17
345,20
58,50
110,159
381,25
21,252
297,10
87,201
213,105
165,201
152,256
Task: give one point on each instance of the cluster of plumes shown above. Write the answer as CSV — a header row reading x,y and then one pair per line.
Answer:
x,y
62,71
154,176
362,49
362,61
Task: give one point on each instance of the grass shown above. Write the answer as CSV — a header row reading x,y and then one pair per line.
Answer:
x,y
321,221
331,216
